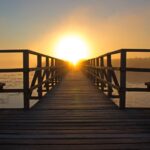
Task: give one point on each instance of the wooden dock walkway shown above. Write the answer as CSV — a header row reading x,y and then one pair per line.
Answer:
x,y
75,116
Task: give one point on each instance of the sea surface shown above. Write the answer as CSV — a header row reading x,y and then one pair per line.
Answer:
x,y
15,100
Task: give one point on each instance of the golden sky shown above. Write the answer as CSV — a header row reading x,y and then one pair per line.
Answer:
x,y
105,25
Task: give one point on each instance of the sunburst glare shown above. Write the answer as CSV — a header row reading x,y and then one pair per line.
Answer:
x,y
72,48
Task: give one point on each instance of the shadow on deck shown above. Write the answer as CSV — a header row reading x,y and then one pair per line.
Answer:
x,y
74,116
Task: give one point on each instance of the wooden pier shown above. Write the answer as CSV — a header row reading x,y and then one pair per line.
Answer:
x,y
75,116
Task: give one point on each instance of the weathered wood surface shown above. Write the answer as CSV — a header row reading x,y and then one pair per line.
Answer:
x,y
75,116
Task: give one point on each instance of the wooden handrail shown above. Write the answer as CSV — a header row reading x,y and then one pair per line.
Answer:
x,y
49,75
105,77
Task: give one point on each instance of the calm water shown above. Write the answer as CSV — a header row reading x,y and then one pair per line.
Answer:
x,y
15,100
136,99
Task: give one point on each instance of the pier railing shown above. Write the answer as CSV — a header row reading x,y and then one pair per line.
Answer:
x,y
44,79
104,74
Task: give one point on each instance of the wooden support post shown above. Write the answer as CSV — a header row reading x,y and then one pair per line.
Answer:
x,y
109,75
102,74
88,69
56,72
26,92
59,71
47,73
52,72
91,70
123,80
39,64
97,71
94,71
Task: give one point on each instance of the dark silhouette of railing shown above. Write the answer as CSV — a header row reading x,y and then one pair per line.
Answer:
x,y
44,79
101,73
105,78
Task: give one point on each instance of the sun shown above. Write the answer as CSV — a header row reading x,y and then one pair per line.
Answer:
x,y
71,48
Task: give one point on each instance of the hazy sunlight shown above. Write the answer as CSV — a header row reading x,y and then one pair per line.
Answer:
x,y
72,48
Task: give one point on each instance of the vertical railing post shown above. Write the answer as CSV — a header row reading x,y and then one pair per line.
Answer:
x,y
47,74
52,72
86,68
94,71
26,79
56,72
60,70
91,70
109,67
102,74
123,80
97,71
39,64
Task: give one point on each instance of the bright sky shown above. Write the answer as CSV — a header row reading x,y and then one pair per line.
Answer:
x,y
105,25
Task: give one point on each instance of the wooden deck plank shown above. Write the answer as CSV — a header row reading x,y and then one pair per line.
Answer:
x,y
76,115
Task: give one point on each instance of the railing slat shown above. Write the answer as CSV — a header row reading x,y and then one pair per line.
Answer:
x,y
26,79
39,64
122,102
109,75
